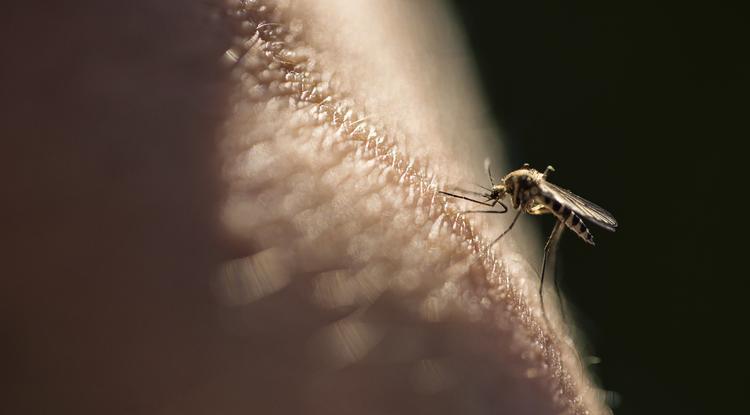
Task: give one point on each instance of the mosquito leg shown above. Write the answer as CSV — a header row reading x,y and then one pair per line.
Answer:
x,y
538,209
466,198
494,202
509,227
498,202
556,279
469,191
549,248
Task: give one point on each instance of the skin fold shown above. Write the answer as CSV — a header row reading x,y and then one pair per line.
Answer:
x,y
232,208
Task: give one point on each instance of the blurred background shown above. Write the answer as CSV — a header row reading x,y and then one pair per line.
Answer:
x,y
638,107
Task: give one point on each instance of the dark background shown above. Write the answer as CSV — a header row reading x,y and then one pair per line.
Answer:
x,y
639,109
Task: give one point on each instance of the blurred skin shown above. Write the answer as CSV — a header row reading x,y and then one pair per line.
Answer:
x,y
192,233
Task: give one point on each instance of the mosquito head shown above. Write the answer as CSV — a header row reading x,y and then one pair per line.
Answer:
x,y
498,191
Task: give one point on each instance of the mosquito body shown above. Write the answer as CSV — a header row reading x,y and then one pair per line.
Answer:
x,y
530,192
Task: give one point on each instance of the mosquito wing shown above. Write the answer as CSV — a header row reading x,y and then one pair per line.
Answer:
x,y
582,207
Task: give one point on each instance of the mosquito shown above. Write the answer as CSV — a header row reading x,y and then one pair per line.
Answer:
x,y
530,192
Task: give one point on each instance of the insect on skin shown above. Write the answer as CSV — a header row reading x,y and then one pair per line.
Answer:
x,y
530,192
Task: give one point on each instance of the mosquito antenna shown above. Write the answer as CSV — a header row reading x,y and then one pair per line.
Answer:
x,y
485,188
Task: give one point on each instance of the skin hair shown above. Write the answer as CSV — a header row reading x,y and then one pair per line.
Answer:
x,y
218,210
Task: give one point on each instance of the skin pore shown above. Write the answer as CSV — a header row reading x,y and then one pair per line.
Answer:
x,y
240,214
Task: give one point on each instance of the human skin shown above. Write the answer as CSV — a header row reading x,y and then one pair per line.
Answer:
x,y
258,230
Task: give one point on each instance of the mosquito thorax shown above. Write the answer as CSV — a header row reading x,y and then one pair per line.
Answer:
x,y
519,182
522,179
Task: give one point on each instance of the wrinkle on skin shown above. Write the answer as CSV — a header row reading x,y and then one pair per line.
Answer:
x,y
323,167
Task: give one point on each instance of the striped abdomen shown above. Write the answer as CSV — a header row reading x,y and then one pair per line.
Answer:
x,y
566,215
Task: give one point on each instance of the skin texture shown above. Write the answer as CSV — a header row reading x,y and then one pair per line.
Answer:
x,y
240,214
